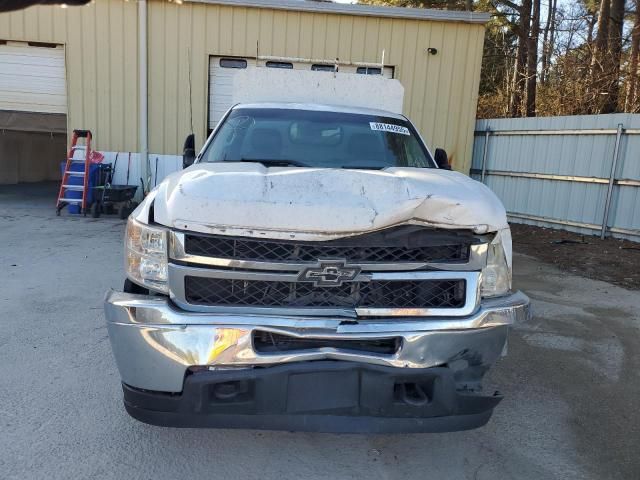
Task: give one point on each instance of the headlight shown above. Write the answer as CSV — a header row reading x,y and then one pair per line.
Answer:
x,y
496,276
146,255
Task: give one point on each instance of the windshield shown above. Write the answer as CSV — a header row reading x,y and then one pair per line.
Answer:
x,y
308,138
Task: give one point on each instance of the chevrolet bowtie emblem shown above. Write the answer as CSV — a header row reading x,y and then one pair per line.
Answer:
x,y
329,273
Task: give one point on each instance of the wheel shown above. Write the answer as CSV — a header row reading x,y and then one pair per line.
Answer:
x,y
129,207
130,287
95,210
123,212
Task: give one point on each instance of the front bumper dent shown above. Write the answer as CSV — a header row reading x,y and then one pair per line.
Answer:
x,y
155,344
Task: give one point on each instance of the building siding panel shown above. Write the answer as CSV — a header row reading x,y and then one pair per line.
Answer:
x,y
102,73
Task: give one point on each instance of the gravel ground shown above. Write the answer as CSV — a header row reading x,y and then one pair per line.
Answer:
x,y
611,260
571,381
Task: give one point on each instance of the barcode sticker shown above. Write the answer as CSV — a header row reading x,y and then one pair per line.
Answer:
x,y
388,127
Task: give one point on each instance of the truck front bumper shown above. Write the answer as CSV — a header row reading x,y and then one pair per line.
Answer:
x,y
192,369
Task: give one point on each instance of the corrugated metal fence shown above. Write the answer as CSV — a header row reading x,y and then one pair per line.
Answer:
x,y
578,173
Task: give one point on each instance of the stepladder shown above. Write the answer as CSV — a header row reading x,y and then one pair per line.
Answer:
x,y
74,187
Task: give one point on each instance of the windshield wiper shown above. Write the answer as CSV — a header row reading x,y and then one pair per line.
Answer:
x,y
268,162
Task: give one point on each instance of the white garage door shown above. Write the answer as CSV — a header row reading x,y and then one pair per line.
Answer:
x,y
221,73
32,78
223,69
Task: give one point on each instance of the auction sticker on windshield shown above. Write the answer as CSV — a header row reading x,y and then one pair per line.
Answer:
x,y
388,127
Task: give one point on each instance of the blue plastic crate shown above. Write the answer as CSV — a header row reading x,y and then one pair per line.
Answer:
x,y
94,169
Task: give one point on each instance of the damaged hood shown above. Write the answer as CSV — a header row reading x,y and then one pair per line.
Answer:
x,y
249,199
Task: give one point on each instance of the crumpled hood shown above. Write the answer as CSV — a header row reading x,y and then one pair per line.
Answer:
x,y
248,199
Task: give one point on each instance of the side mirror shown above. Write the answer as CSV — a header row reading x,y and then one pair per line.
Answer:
x,y
189,151
442,160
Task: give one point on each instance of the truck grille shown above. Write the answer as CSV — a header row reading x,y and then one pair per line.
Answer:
x,y
399,271
355,250
372,294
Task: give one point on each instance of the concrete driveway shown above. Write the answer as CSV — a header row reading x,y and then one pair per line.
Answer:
x,y
571,380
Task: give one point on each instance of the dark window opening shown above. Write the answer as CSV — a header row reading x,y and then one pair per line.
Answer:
x,y
42,44
369,70
233,63
285,65
319,67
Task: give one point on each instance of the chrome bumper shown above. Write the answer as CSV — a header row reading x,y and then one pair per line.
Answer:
x,y
154,343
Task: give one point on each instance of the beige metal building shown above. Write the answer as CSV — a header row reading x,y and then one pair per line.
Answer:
x,y
95,63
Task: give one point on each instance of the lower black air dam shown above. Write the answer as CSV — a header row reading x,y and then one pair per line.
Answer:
x,y
317,396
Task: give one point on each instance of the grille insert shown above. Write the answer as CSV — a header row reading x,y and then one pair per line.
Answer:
x,y
268,342
373,294
450,250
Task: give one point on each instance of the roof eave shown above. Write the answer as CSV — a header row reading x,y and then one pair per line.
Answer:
x,y
358,10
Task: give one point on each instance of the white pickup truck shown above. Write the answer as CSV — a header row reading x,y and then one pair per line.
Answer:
x,y
317,269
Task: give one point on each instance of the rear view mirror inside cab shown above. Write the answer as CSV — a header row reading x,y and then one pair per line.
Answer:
x,y
315,133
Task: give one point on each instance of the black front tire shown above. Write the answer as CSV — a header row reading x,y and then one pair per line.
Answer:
x,y
130,287
95,210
